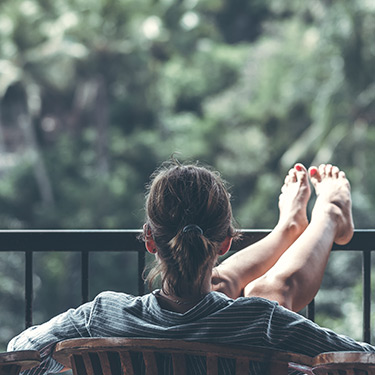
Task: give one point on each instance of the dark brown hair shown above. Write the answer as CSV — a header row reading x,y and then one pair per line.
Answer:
x,y
178,196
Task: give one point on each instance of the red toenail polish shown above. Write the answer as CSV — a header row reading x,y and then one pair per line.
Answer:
x,y
298,168
313,172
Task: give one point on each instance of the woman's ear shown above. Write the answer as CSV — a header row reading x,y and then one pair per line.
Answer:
x,y
151,247
225,246
149,240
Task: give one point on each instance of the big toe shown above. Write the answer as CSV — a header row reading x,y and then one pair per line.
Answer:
x,y
315,175
301,172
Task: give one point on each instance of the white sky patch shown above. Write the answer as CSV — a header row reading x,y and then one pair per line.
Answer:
x,y
28,8
151,27
6,25
49,124
191,3
311,37
189,20
68,20
9,73
369,5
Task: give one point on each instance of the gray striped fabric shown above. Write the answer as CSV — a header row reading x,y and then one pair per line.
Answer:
x,y
216,318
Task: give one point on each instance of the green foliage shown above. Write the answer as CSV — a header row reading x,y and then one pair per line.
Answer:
x,y
95,94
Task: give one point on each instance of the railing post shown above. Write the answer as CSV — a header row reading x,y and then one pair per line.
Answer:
x,y
28,288
311,310
366,280
141,267
85,276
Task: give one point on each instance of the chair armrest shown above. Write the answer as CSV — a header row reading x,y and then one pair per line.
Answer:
x,y
21,359
348,362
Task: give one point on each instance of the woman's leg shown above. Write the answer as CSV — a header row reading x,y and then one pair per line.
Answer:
x,y
296,277
237,271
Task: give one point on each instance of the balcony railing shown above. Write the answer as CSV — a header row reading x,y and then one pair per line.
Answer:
x,y
87,241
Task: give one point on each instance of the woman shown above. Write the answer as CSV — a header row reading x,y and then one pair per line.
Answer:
x,y
189,225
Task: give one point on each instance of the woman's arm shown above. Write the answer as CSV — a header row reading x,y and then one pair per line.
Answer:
x,y
71,324
252,262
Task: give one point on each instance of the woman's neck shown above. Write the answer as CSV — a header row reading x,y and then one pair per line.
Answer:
x,y
186,291
177,304
183,302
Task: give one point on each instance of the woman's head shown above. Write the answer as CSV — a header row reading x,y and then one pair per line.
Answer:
x,y
189,216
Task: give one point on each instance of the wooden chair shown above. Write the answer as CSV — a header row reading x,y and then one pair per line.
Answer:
x,y
11,363
122,356
344,363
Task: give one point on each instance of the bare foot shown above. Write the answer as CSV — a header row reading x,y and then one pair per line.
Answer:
x,y
333,197
293,199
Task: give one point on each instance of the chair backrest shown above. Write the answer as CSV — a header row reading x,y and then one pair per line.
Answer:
x,y
121,356
11,363
344,363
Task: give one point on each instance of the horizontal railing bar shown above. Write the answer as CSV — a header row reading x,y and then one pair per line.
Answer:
x,y
363,239
127,240
70,240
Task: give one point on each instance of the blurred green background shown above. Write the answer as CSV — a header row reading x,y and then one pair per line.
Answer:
x,y
94,94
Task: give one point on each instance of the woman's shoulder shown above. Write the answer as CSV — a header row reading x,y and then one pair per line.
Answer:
x,y
214,301
113,296
242,304
245,301
109,304
111,299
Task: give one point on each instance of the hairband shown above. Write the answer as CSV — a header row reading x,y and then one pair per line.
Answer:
x,y
192,227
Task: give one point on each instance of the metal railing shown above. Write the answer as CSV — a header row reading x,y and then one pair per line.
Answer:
x,y
87,241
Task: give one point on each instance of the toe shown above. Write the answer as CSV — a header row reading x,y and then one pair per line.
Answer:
x,y
322,170
315,175
335,171
292,175
342,174
299,167
328,170
301,172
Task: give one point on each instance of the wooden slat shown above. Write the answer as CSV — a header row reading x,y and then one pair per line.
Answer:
x,y
242,366
150,363
212,364
104,362
88,364
73,365
126,363
278,368
179,364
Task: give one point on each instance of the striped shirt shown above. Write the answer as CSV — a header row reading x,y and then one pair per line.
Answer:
x,y
216,318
